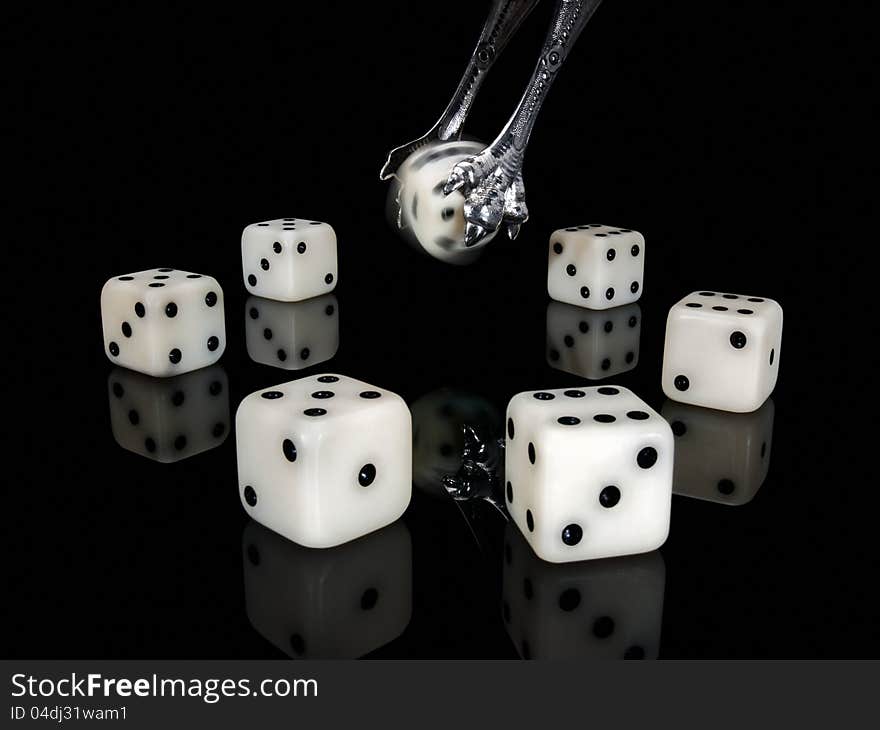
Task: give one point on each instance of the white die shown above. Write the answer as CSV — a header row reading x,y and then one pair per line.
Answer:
x,y
339,603
720,457
163,322
324,459
169,419
589,472
593,344
596,266
292,335
599,609
434,221
289,259
722,351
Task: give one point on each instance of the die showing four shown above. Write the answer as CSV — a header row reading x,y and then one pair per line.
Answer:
x,y
596,266
722,350
163,322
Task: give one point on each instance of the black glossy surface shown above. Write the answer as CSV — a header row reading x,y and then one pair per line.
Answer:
x,y
168,134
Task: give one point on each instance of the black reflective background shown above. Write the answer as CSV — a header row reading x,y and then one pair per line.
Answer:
x,y
157,138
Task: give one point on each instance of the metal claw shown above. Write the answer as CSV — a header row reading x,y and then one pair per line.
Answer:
x,y
473,234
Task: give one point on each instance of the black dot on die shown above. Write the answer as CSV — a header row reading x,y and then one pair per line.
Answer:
x,y
254,313
772,355
139,310
193,276
678,428
726,487
323,394
720,309
134,417
267,334
281,354
553,355
272,394
571,270
113,348
304,353
681,382
369,599
605,364
264,264
544,396
180,443
609,293
178,398
328,279
603,627
156,285
510,428
370,394
634,287
604,418
165,271
301,247
707,294
606,390
611,254
574,393
633,321
210,298
637,415
755,299
118,390
693,305
609,326
763,449
328,379
213,343
568,420
218,430
126,278
126,329
175,356
329,310
583,326
315,412
557,247
530,523
288,448
745,311
585,292
531,451
276,247
160,277
647,457
630,356
509,492
150,445
609,496
738,340
572,534
250,495
635,250
252,280
215,388
171,309
730,296
367,475
569,599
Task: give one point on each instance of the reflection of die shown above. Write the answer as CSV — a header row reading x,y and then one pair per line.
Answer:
x,y
324,459
289,259
169,419
596,266
340,603
435,220
593,344
589,472
292,335
720,457
603,609
439,419
722,351
163,322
